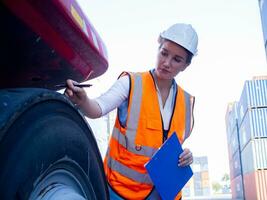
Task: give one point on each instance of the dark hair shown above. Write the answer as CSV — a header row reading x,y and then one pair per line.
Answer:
x,y
189,54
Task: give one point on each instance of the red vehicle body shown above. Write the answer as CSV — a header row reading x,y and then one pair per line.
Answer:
x,y
47,149
46,42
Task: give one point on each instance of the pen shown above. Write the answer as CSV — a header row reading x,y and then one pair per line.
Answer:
x,y
77,85
64,85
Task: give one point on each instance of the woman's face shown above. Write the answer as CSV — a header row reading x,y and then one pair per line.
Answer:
x,y
171,60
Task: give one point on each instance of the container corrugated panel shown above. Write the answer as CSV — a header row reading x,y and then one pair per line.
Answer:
x,y
205,175
197,184
205,183
231,118
233,143
197,176
198,192
235,165
255,185
201,160
254,155
200,164
253,126
237,188
254,94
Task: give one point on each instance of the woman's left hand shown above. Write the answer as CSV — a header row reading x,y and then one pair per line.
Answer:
x,y
185,158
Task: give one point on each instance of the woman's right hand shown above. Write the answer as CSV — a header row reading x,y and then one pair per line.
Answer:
x,y
76,94
79,97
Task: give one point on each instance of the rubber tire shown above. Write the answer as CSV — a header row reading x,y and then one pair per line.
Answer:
x,y
39,128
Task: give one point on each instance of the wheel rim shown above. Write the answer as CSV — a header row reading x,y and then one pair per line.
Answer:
x,y
49,188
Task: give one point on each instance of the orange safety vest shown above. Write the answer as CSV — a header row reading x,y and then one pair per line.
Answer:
x,y
132,145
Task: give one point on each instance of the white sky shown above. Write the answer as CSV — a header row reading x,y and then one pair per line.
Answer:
x,y
231,50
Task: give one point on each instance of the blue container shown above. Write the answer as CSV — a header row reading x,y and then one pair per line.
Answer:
x,y
197,176
235,165
202,163
254,95
197,184
254,125
233,143
254,156
231,118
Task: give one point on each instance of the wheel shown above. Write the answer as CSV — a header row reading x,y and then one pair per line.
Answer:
x,y
47,150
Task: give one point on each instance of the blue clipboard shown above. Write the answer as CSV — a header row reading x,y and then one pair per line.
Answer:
x,y
164,171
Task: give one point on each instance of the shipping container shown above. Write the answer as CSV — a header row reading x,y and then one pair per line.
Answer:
x,y
253,126
254,94
197,184
205,175
201,179
205,183
197,176
233,143
254,155
235,166
200,164
255,185
198,192
237,188
231,118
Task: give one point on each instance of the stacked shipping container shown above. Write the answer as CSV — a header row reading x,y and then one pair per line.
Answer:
x,y
199,184
250,116
236,175
252,120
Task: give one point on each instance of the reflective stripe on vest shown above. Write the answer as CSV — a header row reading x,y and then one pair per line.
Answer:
x,y
189,110
129,145
128,172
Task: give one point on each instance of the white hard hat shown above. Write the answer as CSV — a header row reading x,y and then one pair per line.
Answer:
x,y
182,34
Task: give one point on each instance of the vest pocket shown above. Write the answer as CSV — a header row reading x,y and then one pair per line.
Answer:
x,y
154,124
149,133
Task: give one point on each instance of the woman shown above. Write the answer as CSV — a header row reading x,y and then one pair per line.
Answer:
x,y
151,106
